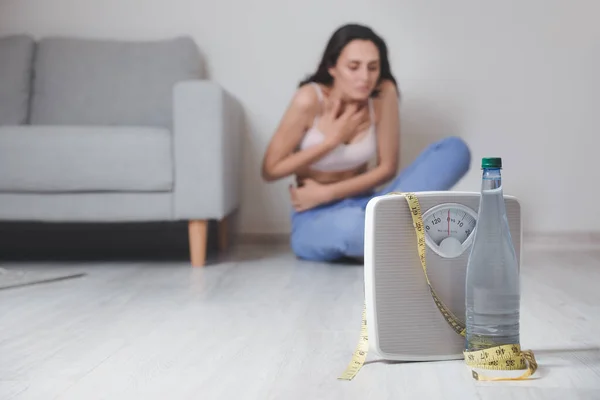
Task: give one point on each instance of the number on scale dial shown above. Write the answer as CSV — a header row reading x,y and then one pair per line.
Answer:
x,y
448,228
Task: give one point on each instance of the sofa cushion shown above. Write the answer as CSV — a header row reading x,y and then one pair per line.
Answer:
x,y
108,82
79,158
16,58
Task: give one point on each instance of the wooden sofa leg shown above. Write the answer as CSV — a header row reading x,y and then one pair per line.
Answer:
x,y
198,236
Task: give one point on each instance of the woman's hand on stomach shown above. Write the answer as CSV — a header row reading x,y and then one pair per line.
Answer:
x,y
327,177
313,188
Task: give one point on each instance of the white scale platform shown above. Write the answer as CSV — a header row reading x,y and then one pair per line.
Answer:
x,y
403,322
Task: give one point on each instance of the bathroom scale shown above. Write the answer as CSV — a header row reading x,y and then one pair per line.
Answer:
x,y
403,322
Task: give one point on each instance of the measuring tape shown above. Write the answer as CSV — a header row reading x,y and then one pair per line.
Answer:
x,y
507,357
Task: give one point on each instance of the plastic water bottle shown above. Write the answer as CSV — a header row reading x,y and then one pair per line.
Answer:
x,y
492,281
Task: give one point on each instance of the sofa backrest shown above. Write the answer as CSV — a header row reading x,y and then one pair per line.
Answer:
x,y
82,81
16,56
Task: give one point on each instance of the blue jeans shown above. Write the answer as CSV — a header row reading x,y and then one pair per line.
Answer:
x,y
336,230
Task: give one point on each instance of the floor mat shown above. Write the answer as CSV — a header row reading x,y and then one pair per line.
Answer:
x,y
17,278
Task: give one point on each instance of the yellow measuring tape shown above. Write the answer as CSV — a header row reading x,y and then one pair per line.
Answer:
x,y
501,358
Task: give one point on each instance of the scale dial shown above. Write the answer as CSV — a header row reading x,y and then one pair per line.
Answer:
x,y
449,228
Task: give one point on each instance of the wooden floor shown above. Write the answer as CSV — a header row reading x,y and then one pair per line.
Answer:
x,y
259,324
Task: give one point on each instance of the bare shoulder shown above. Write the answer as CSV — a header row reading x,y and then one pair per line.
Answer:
x,y
388,97
300,112
305,100
388,89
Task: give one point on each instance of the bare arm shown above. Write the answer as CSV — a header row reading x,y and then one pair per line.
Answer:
x,y
388,139
280,160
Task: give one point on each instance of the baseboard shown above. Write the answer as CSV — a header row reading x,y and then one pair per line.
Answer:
x,y
554,240
278,239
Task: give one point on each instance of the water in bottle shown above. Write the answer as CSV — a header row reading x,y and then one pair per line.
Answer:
x,y
492,282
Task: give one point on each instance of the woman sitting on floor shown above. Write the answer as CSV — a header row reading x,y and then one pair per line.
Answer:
x,y
340,118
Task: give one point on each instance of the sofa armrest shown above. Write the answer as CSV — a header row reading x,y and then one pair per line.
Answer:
x,y
207,134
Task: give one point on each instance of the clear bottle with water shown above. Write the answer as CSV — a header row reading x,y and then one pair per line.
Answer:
x,y
492,281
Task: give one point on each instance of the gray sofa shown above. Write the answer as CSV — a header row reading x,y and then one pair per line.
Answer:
x,y
97,130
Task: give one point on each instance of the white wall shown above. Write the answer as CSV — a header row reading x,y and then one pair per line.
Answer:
x,y
518,79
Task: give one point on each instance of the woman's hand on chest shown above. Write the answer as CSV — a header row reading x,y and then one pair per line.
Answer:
x,y
341,126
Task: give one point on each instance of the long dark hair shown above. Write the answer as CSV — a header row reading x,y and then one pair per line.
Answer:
x,y
340,38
